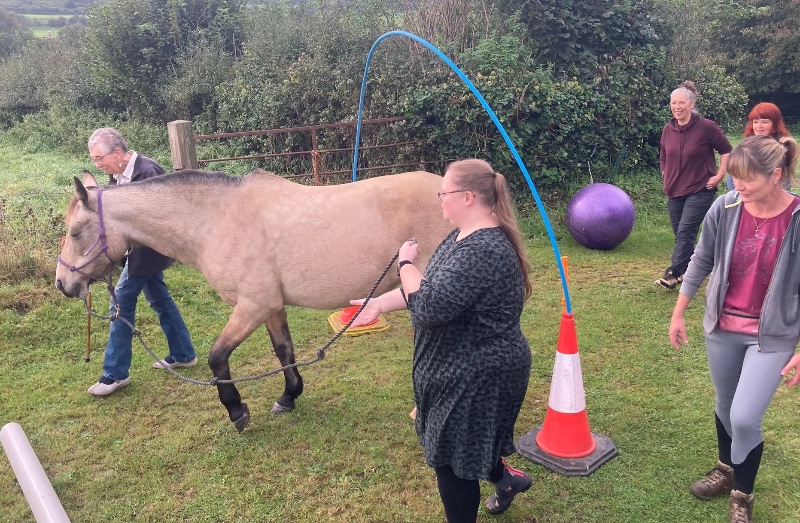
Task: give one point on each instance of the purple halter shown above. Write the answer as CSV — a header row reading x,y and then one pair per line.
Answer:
x,y
101,239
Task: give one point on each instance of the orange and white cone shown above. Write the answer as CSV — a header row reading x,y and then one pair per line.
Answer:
x,y
565,432
564,443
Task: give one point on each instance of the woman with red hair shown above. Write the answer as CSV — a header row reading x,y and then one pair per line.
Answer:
x,y
764,119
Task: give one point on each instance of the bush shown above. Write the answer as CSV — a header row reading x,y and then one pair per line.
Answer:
x,y
201,67
68,129
14,33
302,65
29,242
721,98
132,57
557,124
46,72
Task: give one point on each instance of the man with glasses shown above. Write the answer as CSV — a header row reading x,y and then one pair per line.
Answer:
x,y
143,272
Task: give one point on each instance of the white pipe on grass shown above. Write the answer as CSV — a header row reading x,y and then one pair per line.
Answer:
x,y
32,479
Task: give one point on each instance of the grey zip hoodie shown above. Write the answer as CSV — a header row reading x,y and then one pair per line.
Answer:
x,y
779,325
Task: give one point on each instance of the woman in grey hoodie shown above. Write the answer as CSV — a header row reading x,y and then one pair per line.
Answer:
x,y
750,245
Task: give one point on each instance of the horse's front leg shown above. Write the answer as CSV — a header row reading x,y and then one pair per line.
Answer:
x,y
240,325
278,330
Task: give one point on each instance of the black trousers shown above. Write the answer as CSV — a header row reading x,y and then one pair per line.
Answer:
x,y
461,497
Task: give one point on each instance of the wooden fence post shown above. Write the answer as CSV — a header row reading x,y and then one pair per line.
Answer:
x,y
181,145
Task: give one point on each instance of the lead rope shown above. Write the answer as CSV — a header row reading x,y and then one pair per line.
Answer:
x,y
217,381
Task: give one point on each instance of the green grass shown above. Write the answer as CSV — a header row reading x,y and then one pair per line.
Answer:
x,y
43,31
39,24
164,451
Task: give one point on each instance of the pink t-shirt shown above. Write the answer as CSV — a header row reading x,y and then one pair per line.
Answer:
x,y
755,252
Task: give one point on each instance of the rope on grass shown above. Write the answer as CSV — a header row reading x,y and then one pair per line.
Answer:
x,y
216,381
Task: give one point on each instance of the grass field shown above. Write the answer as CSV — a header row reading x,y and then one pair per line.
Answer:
x,y
162,450
39,24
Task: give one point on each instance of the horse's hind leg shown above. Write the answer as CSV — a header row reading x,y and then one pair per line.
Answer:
x,y
240,325
278,330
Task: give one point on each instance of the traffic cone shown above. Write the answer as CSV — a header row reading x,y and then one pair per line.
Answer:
x,y
564,442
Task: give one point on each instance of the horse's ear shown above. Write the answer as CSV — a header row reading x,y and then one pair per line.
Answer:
x,y
88,179
80,190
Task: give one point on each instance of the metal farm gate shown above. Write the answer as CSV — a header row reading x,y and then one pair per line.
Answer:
x,y
318,154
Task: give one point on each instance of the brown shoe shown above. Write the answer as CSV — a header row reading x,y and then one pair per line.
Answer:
x,y
669,281
741,507
717,481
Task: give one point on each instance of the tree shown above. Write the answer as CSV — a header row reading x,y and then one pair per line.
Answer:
x,y
14,34
759,41
613,49
577,36
46,72
134,55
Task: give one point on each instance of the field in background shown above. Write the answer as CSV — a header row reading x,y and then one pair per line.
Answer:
x,y
68,7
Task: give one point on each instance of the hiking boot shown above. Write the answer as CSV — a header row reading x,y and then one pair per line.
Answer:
x,y
717,482
741,507
172,364
512,483
669,280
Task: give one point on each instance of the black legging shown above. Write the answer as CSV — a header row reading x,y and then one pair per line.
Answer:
x,y
461,497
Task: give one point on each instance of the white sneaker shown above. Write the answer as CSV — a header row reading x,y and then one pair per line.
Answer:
x,y
104,389
171,363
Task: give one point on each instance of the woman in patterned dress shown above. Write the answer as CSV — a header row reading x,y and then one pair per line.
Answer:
x,y
471,361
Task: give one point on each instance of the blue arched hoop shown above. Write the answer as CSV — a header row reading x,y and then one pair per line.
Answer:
x,y
497,123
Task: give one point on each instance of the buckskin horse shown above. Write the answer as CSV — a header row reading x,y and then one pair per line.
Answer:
x,y
261,241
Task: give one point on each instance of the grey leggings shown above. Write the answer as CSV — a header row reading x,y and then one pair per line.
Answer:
x,y
745,381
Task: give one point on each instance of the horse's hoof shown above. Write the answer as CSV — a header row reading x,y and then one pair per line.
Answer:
x,y
242,421
280,409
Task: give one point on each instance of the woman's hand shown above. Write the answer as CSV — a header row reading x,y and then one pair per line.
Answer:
x,y
408,251
369,314
794,364
714,181
677,332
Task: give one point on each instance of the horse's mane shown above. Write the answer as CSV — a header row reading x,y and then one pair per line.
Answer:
x,y
188,176
194,176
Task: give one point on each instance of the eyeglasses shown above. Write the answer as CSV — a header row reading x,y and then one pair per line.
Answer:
x,y
442,194
98,159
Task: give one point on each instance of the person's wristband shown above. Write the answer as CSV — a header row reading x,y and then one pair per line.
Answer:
x,y
401,263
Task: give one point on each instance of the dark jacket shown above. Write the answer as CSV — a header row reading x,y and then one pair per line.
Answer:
x,y
144,260
687,155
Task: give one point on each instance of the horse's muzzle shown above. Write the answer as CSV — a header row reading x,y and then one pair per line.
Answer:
x,y
72,292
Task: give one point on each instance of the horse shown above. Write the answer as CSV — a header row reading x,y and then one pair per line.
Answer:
x,y
261,241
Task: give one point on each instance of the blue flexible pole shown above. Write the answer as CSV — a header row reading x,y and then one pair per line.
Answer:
x,y
497,123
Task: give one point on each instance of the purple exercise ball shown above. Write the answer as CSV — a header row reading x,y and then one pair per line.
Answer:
x,y
600,216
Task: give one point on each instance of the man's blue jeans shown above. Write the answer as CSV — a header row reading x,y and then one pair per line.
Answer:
x,y
686,214
117,361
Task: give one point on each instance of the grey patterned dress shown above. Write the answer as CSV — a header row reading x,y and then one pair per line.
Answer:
x,y
471,361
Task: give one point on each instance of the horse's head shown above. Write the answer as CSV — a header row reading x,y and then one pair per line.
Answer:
x,y
87,254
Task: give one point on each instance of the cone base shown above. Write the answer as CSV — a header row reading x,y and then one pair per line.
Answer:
x,y
336,324
585,466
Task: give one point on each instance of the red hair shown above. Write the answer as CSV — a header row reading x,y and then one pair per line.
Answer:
x,y
767,111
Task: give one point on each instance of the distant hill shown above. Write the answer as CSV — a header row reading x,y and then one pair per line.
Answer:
x,y
74,7
52,7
